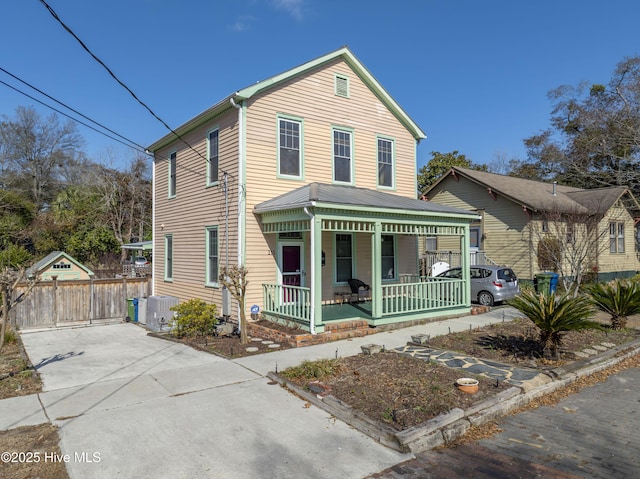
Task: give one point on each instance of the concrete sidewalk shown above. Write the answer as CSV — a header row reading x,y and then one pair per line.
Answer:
x,y
149,407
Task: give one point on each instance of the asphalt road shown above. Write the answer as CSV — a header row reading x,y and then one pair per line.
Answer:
x,y
592,434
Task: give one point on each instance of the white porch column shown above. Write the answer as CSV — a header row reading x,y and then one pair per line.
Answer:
x,y
376,271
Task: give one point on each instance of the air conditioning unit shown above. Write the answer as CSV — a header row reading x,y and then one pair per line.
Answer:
x,y
159,312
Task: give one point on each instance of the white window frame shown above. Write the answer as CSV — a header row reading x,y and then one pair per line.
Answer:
x,y
172,175
168,257
213,157
335,260
385,275
389,161
616,237
300,124
212,276
335,156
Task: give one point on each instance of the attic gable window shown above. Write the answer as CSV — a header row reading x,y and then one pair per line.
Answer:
x,y
342,86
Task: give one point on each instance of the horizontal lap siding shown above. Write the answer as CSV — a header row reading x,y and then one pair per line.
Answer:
x,y
311,97
505,224
195,207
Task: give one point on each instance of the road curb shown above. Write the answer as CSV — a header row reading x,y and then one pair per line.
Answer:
x,y
446,428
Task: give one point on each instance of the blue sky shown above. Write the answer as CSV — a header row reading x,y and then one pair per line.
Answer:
x,y
474,75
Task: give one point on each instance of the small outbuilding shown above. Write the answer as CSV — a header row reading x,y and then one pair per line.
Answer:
x,y
60,265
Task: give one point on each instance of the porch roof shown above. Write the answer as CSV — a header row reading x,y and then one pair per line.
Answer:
x,y
327,195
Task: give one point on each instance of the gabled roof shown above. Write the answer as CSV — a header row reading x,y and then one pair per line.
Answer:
x,y
539,196
54,257
245,93
326,195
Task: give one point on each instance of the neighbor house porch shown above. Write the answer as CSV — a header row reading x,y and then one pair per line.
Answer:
x,y
325,235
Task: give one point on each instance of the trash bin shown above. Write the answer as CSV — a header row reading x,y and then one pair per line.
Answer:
x,y
131,310
543,282
135,310
553,284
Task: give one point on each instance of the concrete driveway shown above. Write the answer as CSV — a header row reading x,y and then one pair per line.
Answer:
x,y
129,405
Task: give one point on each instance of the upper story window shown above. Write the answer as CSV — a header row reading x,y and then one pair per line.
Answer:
x,y
289,148
172,174
342,157
213,147
385,163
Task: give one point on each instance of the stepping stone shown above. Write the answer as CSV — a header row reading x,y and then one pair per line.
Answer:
x,y
274,346
252,349
608,345
266,341
590,351
597,347
257,340
580,354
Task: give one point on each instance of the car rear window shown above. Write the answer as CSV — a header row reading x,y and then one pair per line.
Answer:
x,y
506,274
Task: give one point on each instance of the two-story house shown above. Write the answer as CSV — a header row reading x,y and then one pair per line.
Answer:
x,y
308,179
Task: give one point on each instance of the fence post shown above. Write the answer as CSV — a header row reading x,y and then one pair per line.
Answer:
x,y
91,299
55,299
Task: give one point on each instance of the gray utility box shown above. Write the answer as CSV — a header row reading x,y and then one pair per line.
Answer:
x,y
159,312
142,310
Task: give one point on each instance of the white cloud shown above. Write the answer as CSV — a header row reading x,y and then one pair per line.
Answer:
x,y
295,8
242,23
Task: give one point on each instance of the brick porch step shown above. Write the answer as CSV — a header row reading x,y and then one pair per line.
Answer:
x,y
346,325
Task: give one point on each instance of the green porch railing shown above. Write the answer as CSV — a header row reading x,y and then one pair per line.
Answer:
x,y
291,302
434,293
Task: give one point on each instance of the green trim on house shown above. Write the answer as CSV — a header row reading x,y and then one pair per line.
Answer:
x,y
393,163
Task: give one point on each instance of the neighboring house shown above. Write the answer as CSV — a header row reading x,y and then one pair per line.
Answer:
x,y
308,179
535,227
59,265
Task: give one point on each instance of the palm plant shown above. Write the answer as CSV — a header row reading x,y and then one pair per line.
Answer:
x,y
619,299
555,315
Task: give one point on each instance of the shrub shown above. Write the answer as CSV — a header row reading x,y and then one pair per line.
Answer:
x,y
194,318
619,298
10,336
320,369
555,315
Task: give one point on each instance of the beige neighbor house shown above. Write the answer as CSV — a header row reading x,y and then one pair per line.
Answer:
x,y
535,227
308,179
59,265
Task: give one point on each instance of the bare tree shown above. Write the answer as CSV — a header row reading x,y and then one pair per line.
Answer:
x,y
235,280
35,151
9,279
570,242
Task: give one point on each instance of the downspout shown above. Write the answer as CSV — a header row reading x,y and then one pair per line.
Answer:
x,y
153,222
312,244
241,187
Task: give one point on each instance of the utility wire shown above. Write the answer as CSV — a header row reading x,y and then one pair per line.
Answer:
x,y
138,146
133,145
113,75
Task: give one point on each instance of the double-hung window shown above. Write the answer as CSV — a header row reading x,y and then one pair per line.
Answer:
x,y
616,237
213,256
289,148
172,174
385,163
342,156
388,259
344,257
213,147
168,257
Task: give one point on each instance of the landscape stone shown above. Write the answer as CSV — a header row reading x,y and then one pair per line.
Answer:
x,y
252,349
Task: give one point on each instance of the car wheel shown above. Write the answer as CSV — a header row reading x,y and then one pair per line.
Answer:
x,y
485,298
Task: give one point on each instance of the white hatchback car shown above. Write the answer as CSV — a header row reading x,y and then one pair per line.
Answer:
x,y
489,284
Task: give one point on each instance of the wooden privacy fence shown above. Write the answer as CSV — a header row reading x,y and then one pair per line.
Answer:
x,y
59,303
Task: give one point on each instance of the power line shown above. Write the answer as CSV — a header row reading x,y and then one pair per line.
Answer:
x,y
24,82
114,76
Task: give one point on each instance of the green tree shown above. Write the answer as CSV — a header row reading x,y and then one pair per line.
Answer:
x,y
440,164
594,137
555,315
620,299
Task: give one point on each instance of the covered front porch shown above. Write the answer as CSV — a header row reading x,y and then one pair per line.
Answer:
x,y
325,235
